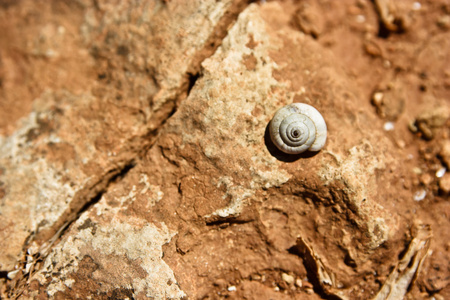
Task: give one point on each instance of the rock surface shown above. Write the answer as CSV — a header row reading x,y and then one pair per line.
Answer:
x,y
155,177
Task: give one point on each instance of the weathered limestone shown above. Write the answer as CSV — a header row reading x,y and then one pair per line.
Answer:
x,y
211,199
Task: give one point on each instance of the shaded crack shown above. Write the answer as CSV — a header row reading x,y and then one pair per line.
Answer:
x,y
3,274
115,178
192,80
227,222
219,32
83,200
312,266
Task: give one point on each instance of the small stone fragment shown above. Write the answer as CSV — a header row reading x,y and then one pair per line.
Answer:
x,y
426,179
401,144
389,101
231,288
288,278
391,16
28,268
416,6
308,18
445,153
417,170
373,49
33,249
256,277
441,172
307,285
430,120
444,184
11,275
220,283
377,98
388,126
444,22
298,282
420,195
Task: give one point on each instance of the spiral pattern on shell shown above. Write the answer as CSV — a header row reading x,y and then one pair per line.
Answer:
x,y
298,127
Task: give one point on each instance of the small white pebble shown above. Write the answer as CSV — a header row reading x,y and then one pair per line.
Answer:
x,y
232,288
61,30
401,144
28,268
420,195
416,6
277,289
33,249
298,282
388,126
360,19
288,278
378,97
417,170
441,172
13,274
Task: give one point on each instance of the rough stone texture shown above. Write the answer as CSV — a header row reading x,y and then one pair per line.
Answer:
x,y
159,180
218,131
71,145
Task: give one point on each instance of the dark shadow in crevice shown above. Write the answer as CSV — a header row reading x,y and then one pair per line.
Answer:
x,y
227,222
73,213
383,32
192,78
3,274
117,177
311,273
280,155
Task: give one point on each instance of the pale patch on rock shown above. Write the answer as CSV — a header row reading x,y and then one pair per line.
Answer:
x,y
268,176
152,193
356,173
232,119
28,208
184,27
237,194
103,207
155,191
128,244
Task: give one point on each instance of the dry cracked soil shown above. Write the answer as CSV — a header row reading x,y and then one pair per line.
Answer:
x,y
135,159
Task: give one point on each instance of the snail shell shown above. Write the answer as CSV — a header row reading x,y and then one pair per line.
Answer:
x,y
298,127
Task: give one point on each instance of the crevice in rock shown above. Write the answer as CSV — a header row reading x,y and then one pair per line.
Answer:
x,y
219,32
226,222
192,80
115,178
3,274
169,160
311,271
83,200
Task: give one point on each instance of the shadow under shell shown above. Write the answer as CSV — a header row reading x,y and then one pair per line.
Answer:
x,y
280,155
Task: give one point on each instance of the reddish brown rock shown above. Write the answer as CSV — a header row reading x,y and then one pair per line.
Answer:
x,y
68,149
444,184
158,179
